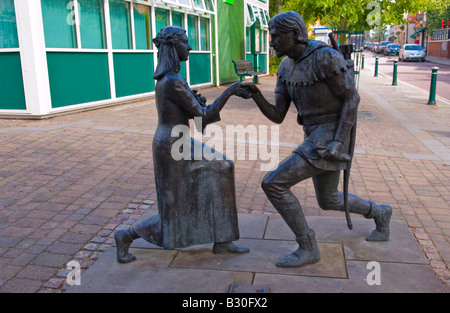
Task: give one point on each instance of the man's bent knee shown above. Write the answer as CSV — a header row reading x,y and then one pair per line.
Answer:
x,y
271,187
329,202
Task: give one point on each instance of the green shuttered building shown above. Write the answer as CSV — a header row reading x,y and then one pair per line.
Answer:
x,y
64,55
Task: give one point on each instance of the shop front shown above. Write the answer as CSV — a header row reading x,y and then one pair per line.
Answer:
x,y
65,55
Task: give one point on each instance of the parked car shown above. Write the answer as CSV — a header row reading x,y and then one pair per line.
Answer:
x,y
368,45
412,52
392,49
373,47
381,47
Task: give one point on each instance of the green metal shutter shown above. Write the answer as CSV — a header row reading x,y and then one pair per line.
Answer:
x,y
199,61
133,73
12,95
77,77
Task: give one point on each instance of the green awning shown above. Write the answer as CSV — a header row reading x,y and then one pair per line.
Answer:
x,y
417,32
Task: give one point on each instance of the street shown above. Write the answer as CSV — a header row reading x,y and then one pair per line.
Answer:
x,y
414,73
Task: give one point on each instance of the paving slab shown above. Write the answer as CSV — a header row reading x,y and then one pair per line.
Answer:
x,y
263,256
402,246
345,265
394,278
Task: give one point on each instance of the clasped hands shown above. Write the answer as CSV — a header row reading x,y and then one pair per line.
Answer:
x,y
245,90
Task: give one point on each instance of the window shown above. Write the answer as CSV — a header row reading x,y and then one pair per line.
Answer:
x,y
59,23
256,14
209,5
142,26
92,24
202,5
413,47
161,18
264,16
119,12
247,39
250,15
178,19
192,31
204,34
8,27
264,41
183,3
198,4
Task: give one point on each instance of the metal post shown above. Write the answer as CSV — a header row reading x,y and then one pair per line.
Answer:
x,y
362,62
376,67
432,99
255,68
394,78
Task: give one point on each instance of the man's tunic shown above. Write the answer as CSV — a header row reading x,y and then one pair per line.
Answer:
x,y
316,83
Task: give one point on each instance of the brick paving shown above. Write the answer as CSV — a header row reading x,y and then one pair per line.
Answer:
x,y
67,183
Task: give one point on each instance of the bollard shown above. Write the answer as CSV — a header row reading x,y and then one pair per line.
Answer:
x,y
376,67
255,68
432,99
394,76
362,62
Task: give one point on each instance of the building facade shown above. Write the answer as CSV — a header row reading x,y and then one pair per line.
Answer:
x,y
64,55
439,43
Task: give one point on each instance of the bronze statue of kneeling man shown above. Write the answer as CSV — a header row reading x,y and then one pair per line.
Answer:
x,y
319,81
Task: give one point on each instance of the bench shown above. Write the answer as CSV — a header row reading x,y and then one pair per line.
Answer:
x,y
245,68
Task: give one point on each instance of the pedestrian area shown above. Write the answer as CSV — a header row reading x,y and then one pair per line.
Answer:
x,y
67,183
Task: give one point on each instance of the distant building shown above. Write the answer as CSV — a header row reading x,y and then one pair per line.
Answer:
x,y
321,33
439,43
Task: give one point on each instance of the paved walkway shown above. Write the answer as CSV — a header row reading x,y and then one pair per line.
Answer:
x,y
67,183
442,61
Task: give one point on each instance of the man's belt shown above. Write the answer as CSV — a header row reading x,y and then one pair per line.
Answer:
x,y
317,120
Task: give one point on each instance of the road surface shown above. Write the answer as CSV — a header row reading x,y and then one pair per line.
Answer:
x,y
413,72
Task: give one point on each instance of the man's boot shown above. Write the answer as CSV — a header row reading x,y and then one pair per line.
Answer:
x,y
307,252
123,240
382,217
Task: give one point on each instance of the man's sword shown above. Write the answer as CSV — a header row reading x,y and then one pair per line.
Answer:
x,y
351,149
347,176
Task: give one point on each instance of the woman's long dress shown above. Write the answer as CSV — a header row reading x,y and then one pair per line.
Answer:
x,y
196,197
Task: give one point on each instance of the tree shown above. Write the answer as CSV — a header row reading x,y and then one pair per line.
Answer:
x,y
276,6
355,14
438,13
